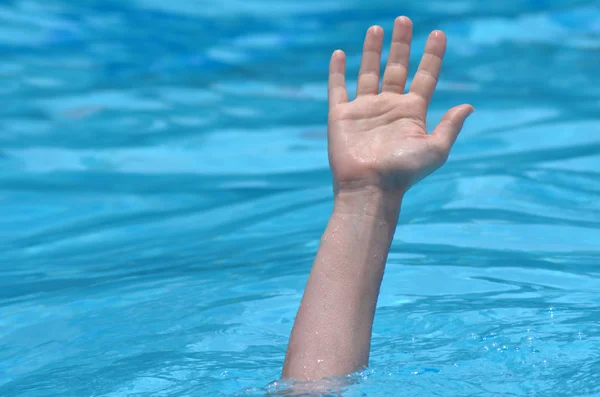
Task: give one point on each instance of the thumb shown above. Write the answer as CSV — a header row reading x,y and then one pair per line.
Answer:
x,y
448,129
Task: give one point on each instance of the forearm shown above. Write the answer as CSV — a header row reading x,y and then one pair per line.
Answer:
x,y
332,332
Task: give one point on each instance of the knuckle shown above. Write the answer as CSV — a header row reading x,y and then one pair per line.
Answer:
x,y
427,74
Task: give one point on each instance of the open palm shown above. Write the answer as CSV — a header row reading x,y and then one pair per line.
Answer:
x,y
380,139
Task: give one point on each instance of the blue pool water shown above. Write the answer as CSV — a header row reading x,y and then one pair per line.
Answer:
x,y
164,184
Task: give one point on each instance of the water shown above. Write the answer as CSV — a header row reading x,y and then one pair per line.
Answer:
x,y
164,184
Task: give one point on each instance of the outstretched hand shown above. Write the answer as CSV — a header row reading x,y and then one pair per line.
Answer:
x,y
379,140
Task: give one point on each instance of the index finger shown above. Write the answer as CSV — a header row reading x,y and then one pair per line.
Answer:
x,y
428,73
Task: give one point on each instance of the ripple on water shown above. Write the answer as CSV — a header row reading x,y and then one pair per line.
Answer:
x,y
164,185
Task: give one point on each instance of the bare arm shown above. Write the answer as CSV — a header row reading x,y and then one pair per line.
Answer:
x,y
378,148
332,333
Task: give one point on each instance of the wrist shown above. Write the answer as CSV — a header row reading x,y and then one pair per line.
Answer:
x,y
370,201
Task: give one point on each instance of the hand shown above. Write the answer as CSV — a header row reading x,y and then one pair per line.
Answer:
x,y
379,140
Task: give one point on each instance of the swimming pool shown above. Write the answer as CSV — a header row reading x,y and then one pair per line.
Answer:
x,y
164,186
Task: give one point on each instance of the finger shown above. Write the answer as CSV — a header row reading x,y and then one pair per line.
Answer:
x,y
368,77
448,129
337,92
428,73
396,70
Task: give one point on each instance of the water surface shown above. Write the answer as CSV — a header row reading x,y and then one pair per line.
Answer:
x,y
164,185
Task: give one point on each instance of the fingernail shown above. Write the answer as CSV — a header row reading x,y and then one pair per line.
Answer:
x,y
377,30
403,20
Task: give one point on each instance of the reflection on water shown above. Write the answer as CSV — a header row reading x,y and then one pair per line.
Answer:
x,y
164,185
